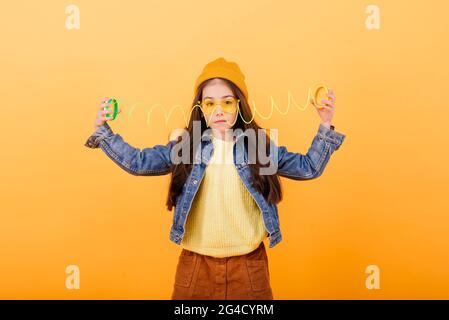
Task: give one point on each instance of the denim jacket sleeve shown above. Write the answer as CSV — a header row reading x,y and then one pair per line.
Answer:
x,y
298,166
146,162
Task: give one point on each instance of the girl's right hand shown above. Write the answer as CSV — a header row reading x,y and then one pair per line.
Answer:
x,y
101,114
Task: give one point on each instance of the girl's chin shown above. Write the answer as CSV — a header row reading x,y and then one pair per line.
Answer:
x,y
220,126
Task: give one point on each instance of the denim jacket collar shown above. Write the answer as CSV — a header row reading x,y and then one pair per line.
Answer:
x,y
204,153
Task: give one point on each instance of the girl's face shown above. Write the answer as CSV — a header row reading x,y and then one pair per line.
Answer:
x,y
219,120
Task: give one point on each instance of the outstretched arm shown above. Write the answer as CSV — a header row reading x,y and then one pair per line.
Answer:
x,y
146,162
298,166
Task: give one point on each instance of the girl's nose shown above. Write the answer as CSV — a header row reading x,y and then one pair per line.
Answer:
x,y
218,110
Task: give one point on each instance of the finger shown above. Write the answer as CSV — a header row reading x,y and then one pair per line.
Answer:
x,y
333,94
104,118
320,107
322,102
107,111
331,105
105,99
104,105
328,103
328,108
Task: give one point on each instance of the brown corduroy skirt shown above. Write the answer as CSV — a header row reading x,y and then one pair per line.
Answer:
x,y
232,278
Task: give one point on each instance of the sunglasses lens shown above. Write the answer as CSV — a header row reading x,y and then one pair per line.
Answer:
x,y
228,105
208,106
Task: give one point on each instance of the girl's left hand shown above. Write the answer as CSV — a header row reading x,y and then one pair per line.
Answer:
x,y
326,112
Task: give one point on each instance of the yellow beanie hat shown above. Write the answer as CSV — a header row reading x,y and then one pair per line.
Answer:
x,y
223,69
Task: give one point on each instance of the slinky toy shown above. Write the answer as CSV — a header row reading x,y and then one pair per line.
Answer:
x,y
115,106
319,94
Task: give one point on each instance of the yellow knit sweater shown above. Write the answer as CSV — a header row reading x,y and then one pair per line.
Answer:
x,y
224,219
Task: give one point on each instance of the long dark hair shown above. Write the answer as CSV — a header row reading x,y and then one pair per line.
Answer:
x,y
268,185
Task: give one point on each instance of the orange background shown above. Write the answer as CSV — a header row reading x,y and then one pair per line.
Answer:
x,y
382,199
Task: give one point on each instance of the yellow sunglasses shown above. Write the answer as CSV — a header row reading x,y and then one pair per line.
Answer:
x,y
228,105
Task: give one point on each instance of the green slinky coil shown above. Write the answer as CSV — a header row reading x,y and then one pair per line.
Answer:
x,y
115,106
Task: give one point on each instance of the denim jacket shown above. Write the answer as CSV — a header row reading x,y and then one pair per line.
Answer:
x,y
157,161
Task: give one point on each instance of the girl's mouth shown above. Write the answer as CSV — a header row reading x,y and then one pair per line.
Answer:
x,y
218,121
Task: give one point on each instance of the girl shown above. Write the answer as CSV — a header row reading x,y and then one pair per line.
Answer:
x,y
224,206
